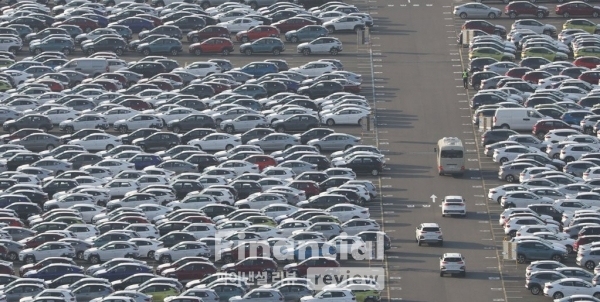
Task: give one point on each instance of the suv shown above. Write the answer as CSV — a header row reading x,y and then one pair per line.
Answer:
x,y
112,44
517,8
263,45
159,140
452,263
429,233
454,205
29,121
10,44
537,250
536,281
170,46
306,33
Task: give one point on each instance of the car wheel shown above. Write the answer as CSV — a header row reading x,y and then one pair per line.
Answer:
x,y
318,147
229,129
509,178
512,15
176,129
294,39
146,52
254,5
306,51
248,52
228,259
521,259
195,39
540,15
119,52
287,147
174,52
280,129
245,39
94,259
197,51
109,147
463,15
589,264
12,129
535,290
492,16
569,159
165,259
12,256
29,259
123,129
276,52
547,32
228,147
69,130
37,51
596,295
330,122
205,5
566,15
50,147
558,295
334,51
595,14
330,29
503,160
66,51
150,255
374,172
569,249
225,52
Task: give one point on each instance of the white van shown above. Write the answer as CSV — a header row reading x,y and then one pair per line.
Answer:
x,y
516,118
90,66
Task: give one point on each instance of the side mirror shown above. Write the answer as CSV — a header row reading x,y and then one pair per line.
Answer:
x,y
435,150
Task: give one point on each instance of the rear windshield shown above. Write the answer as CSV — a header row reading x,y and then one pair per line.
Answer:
x,y
451,154
452,259
431,229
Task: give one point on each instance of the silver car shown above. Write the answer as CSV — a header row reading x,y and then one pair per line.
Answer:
x,y
41,173
178,166
135,295
14,294
231,114
476,10
38,142
92,291
275,141
500,67
335,142
58,166
8,114
578,167
298,166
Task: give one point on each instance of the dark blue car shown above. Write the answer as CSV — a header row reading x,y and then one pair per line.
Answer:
x,y
102,21
136,24
292,85
142,161
259,69
575,116
53,271
314,249
122,271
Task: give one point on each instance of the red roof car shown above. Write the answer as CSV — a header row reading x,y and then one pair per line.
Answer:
x,y
300,269
542,127
256,33
517,72
136,104
535,76
218,87
85,24
519,8
35,241
208,32
55,86
588,62
191,271
261,160
577,8
309,187
485,27
591,76
212,45
293,23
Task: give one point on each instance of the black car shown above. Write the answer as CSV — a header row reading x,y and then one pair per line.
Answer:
x,y
29,121
477,64
496,135
246,188
189,23
140,133
58,185
67,279
190,122
315,133
158,141
214,210
147,69
316,159
298,122
147,39
34,23
192,104
548,209
79,134
171,235
365,164
333,182
168,30
19,159
324,201
184,186
138,278
24,209
199,90
116,45
196,133
203,161
83,159
19,134
274,87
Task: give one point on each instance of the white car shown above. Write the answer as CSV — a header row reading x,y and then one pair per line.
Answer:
x,y
201,69
315,69
509,153
232,15
570,286
84,121
69,200
259,200
320,45
560,238
114,249
87,211
216,142
269,182
454,205
346,116
534,25
97,142
119,113
193,201
452,263
573,152
264,231
230,227
238,166
345,23
243,123
180,250
201,230
151,210
357,225
83,231
287,113
145,230
330,15
523,199
138,121
114,165
120,187
559,135
529,172
289,227
148,180
59,114
95,34
175,114
45,250
347,211
146,246
277,209
240,24
331,295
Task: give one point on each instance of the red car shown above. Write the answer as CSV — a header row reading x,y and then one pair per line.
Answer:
x,y
591,76
262,161
42,263
542,127
218,87
191,271
293,23
197,219
114,76
577,8
6,268
163,84
301,269
485,27
85,24
54,86
244,250
208,32
212,45
536,75
178,263
587,62
251,265
583,240
518,8
35,241
349,86
517,72
108,84
256,33
12,221
136,104
309,187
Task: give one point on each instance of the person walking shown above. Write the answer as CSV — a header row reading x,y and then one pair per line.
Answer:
x,y
465,77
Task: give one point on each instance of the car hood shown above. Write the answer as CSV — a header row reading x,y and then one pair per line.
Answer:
x,y
162,251
290,266
301,45
118,122
168,271
99,272
142,45
133,287
500,26
227,266
91,250
74,142
25,251
137,140
245,45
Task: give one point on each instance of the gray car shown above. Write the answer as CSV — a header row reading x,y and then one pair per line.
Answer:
x,y
178,166
294,292
576,272
91,291
17,233
79,245
17,292
476,10
578,167
38,142
76,77
527,140
275,141
58,166
298,166
335,142
132,77
574,189
8,114
537,280
231,114
500,67
41,173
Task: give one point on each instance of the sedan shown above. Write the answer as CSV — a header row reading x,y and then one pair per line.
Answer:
x,y
243,123
347,115
216,142
335,142
476,10
275,141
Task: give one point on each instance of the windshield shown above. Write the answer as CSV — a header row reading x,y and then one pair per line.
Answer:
x,y
451,154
